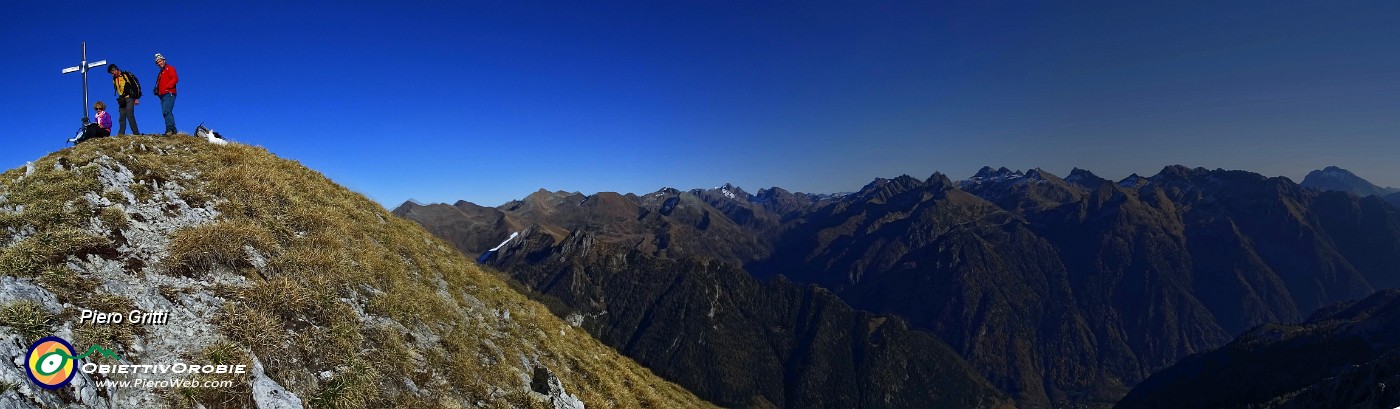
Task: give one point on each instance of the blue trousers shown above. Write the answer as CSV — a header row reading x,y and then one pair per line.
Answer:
x,y
167,108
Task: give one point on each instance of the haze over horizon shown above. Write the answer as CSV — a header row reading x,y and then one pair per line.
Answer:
x,y
488,102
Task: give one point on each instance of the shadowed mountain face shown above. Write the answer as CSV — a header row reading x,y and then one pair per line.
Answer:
x,y
1344,356
1057,291
1338,179
633,279
740,342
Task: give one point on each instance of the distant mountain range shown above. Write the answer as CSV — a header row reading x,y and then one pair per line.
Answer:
x,y
1056,292
1342,180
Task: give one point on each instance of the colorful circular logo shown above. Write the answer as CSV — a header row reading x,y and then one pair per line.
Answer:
x,y
50,363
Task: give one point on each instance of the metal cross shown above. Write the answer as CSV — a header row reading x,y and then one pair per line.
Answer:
x,y
83,68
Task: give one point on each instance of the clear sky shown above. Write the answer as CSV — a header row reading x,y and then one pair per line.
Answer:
x,y
489,101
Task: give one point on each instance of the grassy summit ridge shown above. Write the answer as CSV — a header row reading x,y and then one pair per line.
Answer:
x,y
338,301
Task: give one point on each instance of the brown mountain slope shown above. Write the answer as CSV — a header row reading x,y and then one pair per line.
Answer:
x,y
267,263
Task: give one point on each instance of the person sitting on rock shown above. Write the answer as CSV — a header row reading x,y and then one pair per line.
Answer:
x,y
101,128
104,119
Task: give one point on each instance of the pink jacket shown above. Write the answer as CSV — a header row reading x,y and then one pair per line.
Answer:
x,y
104,120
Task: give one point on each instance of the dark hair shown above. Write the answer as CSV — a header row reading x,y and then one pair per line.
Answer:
x,y
111,67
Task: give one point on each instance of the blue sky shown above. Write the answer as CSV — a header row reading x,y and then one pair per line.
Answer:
x,y
489,101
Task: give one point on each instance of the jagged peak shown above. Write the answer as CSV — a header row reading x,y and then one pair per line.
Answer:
x,y
727,190
905,179
772,192
1133,180
874,184
1040,174
939,181
734,192
407,205
539,194
543,194
1081,173
1192,176
987,173
1180,172
1085,178
891,186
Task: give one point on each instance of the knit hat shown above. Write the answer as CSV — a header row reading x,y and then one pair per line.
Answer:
x,y
159,57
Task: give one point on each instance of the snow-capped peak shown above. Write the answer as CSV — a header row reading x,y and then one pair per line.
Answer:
x,y
732,192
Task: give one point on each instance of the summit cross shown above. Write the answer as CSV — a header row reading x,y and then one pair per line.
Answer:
x,y
83,68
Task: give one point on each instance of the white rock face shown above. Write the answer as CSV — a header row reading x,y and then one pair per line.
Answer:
x,y
268,394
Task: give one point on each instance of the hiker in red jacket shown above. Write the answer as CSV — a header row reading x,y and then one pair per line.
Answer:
x,y
165,90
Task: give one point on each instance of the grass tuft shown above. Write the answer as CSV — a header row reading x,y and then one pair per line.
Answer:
x,y
142,192
34,254
351,388
252,327
196,250
114,218
30,320
238,396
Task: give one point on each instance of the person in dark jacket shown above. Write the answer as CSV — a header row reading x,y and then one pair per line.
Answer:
x,y
165,90
128,96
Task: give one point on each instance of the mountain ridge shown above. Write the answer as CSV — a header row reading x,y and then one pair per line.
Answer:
x,y
1058,292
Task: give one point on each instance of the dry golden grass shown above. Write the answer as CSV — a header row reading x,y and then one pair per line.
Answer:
x,y
238,396
199,249
47,249
110,336
27,318
327,251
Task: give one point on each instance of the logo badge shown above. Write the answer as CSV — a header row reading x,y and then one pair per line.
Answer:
x,y
50,362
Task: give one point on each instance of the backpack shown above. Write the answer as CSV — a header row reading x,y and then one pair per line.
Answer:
x,y
132,83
